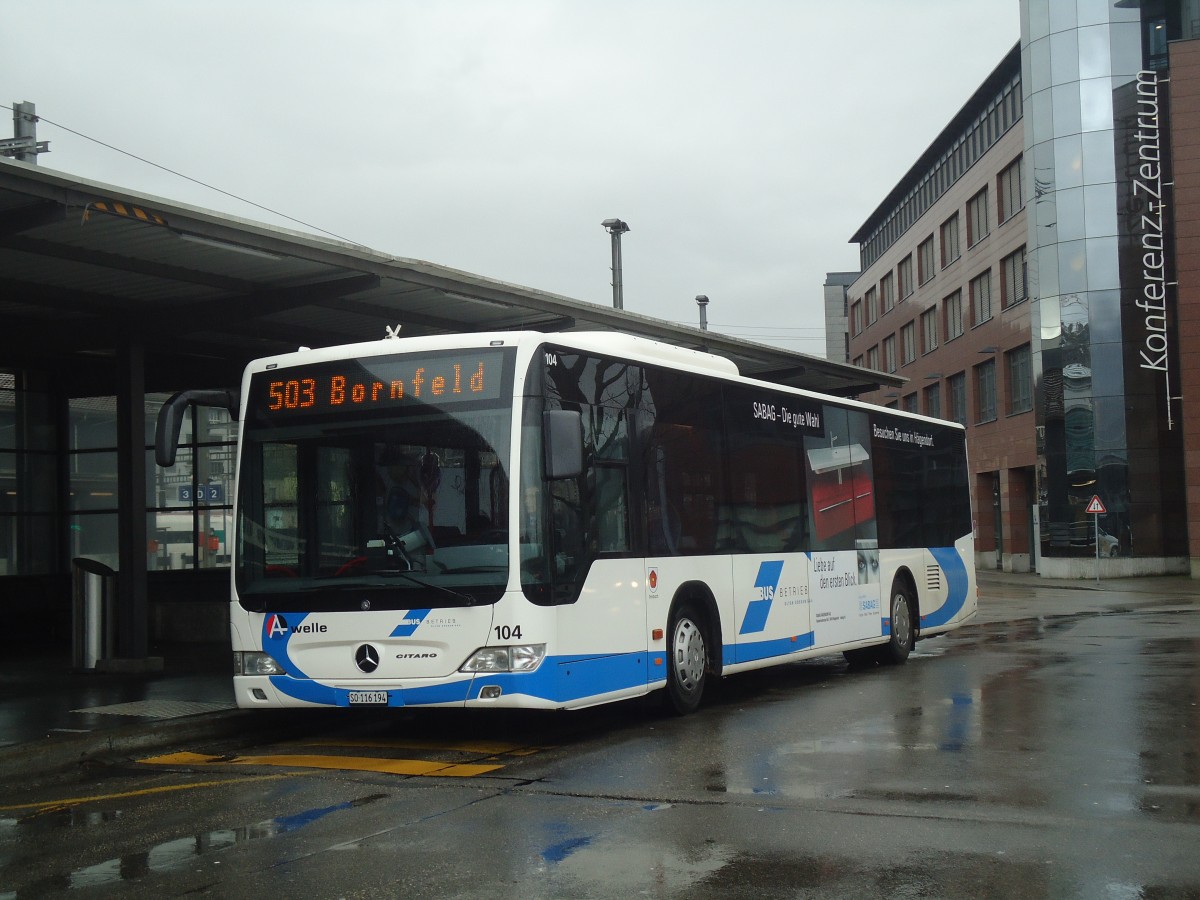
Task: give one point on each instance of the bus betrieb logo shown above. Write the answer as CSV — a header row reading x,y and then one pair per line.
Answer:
x,y
765,586
410,623
277,626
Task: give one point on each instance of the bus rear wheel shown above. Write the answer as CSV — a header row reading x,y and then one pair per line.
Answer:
x,y
687,659
896,650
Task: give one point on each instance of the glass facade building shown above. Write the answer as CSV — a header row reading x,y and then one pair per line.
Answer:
x,y
1050,314
1104,343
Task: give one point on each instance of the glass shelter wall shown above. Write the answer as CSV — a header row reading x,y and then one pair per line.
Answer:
x,y
29,483
190,505
58,476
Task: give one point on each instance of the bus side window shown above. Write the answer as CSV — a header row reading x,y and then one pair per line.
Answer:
x,y
608,440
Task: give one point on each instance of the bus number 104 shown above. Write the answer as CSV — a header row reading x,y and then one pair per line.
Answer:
x,y
507,632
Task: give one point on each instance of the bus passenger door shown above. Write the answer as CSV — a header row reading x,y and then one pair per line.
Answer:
x,y
846,594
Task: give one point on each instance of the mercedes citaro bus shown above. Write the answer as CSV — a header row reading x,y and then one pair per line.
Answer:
x,y
556,521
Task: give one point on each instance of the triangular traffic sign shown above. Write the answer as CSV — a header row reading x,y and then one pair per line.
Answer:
x,y
1095,507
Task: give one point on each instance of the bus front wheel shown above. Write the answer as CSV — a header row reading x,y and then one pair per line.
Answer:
x,y
896,650
687,659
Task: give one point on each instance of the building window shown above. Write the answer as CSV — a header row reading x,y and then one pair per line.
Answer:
x,y
977,218
904,273
956,396
908,402
887,292
858,361
929,332
1020,380
933,401
1012,279
954,315
950,240
1008,188
985,390
925,265
889,353
873,358
872,301
856,322
981,297
908,343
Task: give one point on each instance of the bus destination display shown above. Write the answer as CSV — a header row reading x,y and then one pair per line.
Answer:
x,y
380,383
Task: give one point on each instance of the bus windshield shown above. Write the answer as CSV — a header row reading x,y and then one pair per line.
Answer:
x,y
355,507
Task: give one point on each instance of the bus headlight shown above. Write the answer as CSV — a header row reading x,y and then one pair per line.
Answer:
x,y
255,663
519,658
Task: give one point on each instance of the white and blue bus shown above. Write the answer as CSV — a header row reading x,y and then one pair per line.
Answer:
x,y
556,521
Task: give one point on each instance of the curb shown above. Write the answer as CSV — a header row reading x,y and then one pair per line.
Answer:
x,y
54,754
61,754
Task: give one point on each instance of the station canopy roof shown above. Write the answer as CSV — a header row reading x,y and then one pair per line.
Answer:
x,y
85,267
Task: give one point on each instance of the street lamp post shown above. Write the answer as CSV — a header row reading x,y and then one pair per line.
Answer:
x,y
616,228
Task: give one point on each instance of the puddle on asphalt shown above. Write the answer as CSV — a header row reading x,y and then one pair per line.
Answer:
x,y
173,855
620,867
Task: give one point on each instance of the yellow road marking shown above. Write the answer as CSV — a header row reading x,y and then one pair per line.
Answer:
x,y
354,763
487,748
182,759
144,792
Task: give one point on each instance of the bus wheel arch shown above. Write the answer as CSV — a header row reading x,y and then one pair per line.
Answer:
x,y
904,613
693,646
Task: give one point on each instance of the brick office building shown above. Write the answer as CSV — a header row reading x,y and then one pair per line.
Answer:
x,y
1034,277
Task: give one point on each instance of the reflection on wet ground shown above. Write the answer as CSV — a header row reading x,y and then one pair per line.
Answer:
x,y
168,856
1056,756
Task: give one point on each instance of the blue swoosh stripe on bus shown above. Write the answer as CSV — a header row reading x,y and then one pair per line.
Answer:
x,y
315,692
957,583
277,647
558,679
750,651
562,679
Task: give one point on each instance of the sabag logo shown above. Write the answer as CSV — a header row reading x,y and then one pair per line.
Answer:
x,y
765,586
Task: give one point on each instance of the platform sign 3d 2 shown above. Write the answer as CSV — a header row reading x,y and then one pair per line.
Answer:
x,y
202,493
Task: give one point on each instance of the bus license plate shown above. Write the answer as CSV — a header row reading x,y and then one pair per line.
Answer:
x,y
368,698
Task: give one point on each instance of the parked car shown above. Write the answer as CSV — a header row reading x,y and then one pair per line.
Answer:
x,y
1083,534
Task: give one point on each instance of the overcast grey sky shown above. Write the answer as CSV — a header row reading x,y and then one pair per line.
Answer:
x,y
743,142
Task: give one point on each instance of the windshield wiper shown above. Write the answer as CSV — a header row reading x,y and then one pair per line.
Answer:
x,y
342,584
467,598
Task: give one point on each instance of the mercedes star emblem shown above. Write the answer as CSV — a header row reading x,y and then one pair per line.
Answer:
x,y
367,658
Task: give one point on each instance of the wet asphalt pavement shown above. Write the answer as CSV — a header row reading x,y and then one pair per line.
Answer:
x,y
1050,750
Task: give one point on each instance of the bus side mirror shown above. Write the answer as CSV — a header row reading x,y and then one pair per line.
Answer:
x,y
562,433
170,419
